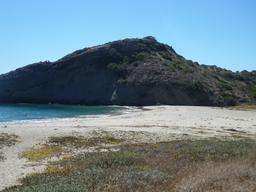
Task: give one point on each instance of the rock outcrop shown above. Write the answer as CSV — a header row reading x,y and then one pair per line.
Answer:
x,y
127,72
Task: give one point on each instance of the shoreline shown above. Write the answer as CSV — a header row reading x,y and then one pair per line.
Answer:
x,y
87,112
151,124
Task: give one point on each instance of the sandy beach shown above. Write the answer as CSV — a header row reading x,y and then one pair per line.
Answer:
x,y
136,125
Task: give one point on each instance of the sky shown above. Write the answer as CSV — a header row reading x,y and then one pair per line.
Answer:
x,y
217,32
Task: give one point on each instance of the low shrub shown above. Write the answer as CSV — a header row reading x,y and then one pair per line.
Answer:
x,y
44,152
191,165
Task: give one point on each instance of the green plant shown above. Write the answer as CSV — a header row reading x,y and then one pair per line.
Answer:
x,y
227,87
198,85
254,92
180,65
140,56
166,55
118,68
44,152
115,66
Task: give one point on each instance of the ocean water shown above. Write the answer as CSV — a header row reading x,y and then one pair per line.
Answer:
x,y
24,112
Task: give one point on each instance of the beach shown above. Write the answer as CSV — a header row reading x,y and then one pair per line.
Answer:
x,y
135,125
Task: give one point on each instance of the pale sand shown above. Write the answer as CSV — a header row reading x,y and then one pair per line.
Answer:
x,y
149,124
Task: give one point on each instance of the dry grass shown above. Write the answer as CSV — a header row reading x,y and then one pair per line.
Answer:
x,y
244,107
57,170
83,142
237,176
7,140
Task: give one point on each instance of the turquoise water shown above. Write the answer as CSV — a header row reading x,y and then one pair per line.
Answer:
x,y
21,112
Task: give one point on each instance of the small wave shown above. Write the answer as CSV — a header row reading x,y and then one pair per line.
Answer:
x,y
13,114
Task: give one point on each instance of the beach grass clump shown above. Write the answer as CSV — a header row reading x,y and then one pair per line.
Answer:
x,y
83,142
182,166
57,169
41,153
7,140
244,107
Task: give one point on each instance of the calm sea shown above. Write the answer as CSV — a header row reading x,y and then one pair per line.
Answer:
x,y
23,112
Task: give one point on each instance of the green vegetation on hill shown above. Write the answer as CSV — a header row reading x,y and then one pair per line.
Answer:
x,y
254,92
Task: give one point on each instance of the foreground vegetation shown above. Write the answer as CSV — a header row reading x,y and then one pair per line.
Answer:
x,y
200,165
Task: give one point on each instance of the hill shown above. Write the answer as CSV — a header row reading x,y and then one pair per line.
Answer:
x,y
127,72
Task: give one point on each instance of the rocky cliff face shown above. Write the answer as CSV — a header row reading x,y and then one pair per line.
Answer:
x,y
127,72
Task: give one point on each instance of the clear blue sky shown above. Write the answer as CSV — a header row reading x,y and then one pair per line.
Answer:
x,y
220,32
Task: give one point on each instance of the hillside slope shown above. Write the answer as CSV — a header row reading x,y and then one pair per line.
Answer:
x,y
127,72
